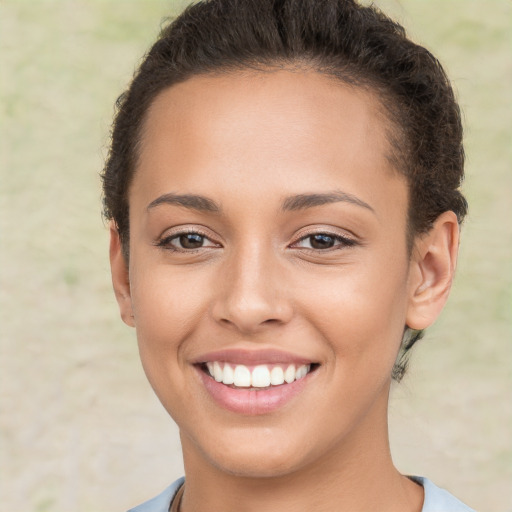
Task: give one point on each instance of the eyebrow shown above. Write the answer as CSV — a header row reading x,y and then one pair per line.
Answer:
x,y
191,201
304,201
291,203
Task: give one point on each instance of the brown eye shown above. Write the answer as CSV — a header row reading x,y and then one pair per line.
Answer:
x,y
321,241
191,241
324,241
186,241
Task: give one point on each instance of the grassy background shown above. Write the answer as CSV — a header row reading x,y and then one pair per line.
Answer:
x,y
80,428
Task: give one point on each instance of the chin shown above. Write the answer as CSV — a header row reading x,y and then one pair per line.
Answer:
x,y
255,453
260,465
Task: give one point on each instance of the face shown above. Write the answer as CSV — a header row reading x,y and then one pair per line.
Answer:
x,y
269,274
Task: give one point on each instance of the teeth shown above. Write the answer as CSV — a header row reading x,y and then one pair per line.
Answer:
x,y
260,377
277,376
217,372
301,372
229,375
242,378
289,374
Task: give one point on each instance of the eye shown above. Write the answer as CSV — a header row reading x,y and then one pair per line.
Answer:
x,y
186,241
324,241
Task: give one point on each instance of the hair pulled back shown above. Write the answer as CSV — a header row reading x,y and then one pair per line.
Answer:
x,y
355,44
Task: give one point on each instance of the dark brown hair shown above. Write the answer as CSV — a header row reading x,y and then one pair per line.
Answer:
x,y
355,44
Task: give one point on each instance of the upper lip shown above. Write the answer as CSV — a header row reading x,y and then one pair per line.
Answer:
x,y
252,357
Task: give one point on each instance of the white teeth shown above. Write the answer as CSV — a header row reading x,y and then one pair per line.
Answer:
x,y
301,372
229,375
260,377
289,374
277,376
217,372
242,377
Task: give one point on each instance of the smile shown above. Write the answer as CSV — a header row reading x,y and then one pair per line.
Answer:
x,y
254,382
261,376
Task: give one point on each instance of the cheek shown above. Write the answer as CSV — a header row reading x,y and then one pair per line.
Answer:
x,y
360,314
166,301
168,306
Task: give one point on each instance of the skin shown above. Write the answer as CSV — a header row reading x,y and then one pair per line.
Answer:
x,y
247,141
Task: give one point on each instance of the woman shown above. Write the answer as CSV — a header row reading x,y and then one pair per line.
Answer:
x,y
283,190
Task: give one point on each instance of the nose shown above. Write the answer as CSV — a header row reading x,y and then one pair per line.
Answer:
x,y
252,294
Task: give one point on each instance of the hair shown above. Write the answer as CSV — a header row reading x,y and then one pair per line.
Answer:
x,y
355,44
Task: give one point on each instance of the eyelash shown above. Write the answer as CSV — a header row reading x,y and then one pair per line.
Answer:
x,y
165,242
343,242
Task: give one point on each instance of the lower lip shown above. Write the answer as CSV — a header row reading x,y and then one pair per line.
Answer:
x,y
252,401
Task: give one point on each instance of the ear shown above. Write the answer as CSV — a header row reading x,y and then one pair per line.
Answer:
x,y
120,277
432,268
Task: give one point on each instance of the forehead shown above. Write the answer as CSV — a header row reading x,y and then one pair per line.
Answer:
x,y
265,133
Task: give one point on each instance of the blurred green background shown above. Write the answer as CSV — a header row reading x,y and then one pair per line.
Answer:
x,y
80,427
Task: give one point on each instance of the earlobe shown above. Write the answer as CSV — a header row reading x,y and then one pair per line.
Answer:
x,y
433,263
120,277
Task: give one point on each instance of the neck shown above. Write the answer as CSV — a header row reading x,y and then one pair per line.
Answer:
x,y
356,474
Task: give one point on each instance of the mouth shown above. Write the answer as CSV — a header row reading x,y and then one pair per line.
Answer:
x,y
256,377
254,382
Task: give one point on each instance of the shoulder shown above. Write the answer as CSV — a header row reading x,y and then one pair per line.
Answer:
x,y
436,499
439,500
162,502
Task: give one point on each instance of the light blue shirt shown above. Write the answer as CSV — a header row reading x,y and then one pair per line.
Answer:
x,y
436,499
